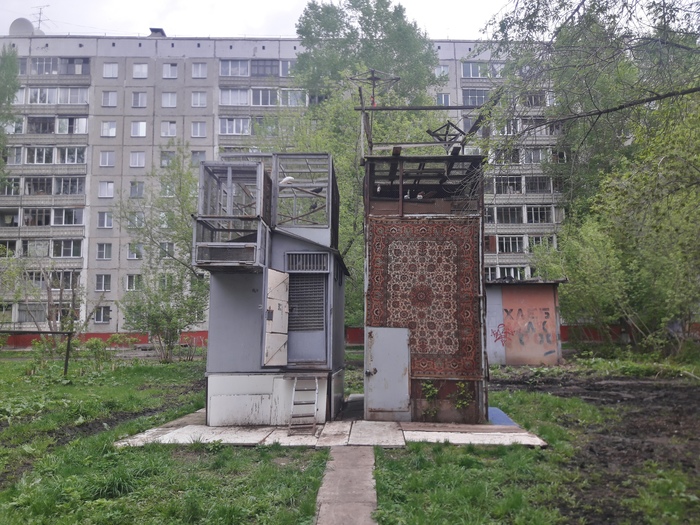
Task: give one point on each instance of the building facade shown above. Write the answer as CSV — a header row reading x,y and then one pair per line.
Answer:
x,y
96,114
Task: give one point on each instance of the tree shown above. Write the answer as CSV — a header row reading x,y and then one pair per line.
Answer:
x,y
350,37
169,295
9,84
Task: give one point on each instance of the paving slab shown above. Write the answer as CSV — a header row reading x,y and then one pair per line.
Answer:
x,y
281,436
334,434
381,433
476,438
246,436
458,427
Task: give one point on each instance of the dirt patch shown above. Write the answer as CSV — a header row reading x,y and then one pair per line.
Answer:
x,y
658,420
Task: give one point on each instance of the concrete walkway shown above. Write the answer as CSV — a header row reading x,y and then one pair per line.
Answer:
x,y
347,495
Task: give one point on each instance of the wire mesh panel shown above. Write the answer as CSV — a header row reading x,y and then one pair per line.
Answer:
x,y
307,310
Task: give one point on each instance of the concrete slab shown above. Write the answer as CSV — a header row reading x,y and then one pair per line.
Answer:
x,y
456,427
381,433
281,436
345,514
334,434
246,436
481,438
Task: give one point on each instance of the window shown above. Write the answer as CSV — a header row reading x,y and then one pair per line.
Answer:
x,y
533,155
233,97
496,69
442,70
511,127
198,157
19,96
110,70
103,282
264,68
138,128
44,66
13,155
166,157
490,273
44,95
508,244
234,68
264,97
475,70
137,159
286,67
199,70
67,248
133,282
539,214
72,95
41,125
512,272
538,240
559,157
136,190
292,97
71,125
106,190
167,249
104,251
69,186
170,70
168,99
234,126
536,126
37,216
167,189
109,99
138,99
39,155
140,71
443,99
37,186
31,313
102,314
509,215
507,156
534,99
15,127
135,219
109,128
508,185
10,187
105,219
199,99
71,155
64,279
474,97
134,251
168,128
199,129
107,158
68,217
35,248
9,246
538,185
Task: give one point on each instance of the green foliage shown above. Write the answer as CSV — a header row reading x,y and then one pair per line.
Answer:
x,y
9,85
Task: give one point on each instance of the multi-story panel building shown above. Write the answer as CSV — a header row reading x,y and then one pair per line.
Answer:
x,y
96,114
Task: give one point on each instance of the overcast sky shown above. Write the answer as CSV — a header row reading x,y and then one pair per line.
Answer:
x,y
233,18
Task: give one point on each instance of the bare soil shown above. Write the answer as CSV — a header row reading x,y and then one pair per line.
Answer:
x,y
658,421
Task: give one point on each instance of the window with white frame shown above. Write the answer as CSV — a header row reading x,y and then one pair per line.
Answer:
x,y
138,128
108,128
133,282
43,95
233,97
286,68
234,68
72,95
264,96
198,157
533,155
44,66
68,216
104,251
166,157
74,66
135,219
140,70
540,240
105,219
168,99
509,184
292,97
110,70
170,70
534,99
66,248
199,129
511,272
13,155
535,126
10,186
442,99
19,96
496,69
64,279
168,128
511,127
264,68
71,155
538,184
442,70
510,244
71,125
15,127
107,159
109,99
31,313
36,216
509,214
102,314
475,70
199,99
105,190
234,126
8,247
199,70
139,99
103,282
41,125
136,189
490,273
40,155
134,251
474,97
137,159
489,215
506,156
69,186
167,249
35,248
539,214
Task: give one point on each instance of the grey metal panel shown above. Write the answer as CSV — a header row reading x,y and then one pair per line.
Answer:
x,y
306,347
495,349
235,323
387,386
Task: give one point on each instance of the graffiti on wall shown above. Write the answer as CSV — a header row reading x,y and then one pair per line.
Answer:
x,y
502,334
530,325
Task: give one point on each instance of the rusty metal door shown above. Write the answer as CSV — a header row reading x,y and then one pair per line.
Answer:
x,y
387,358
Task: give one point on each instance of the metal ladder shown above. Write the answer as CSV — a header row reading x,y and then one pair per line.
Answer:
x,y
302,418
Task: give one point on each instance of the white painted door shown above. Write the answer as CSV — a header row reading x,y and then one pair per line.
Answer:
x,y
387,378
276,318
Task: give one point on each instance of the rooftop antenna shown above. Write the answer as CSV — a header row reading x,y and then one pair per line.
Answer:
x,y
375,79
41,13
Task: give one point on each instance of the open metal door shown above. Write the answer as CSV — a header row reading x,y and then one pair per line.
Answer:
x,y
276,318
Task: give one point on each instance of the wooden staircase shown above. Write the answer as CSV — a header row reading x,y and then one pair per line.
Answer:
x,y
302,418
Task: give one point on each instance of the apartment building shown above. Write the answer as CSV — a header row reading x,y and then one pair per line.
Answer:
x,y
97,113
